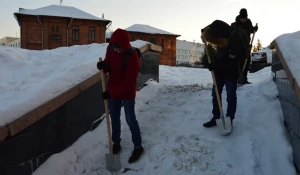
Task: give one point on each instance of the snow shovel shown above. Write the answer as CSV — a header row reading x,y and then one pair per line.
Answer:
x,y
113,161
224,123
242,78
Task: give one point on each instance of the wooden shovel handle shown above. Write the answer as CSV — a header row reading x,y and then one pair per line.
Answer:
x,y
106,109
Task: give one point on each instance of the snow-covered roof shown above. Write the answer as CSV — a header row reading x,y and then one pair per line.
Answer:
x,y
148,29
59,11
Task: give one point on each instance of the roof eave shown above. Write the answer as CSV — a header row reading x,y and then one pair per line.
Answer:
x,y
102,20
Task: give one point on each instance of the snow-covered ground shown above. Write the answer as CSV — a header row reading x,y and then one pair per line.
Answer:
x,y
171,114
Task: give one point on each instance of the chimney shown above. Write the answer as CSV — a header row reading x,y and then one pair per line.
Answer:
x,y
103,15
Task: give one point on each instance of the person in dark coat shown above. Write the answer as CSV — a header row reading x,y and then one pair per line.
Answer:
x,y
230,51
242,21
121,89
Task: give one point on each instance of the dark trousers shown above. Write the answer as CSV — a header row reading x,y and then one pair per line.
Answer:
x,y
231,87
115,113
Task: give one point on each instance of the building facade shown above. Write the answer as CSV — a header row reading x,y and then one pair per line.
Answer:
x,y
158,37
188,52
59,26
10,42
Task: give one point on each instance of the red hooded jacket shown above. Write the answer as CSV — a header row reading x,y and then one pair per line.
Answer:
x,y
122,83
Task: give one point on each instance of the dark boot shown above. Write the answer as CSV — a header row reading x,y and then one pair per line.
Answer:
x,y
247,82
117,148
211,123
137,153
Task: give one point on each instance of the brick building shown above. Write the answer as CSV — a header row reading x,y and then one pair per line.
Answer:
x,y
158,37
56,26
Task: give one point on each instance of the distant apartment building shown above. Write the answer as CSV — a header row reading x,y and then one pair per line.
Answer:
x,y
188,52
10,42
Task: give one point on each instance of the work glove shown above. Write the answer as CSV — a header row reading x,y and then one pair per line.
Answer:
x,y
255,28
100,65
105,95
211,66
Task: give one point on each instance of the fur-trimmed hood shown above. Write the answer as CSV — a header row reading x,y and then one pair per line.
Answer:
x,y
221,42
217,33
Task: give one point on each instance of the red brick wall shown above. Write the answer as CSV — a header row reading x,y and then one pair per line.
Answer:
x,y
168,42
31,32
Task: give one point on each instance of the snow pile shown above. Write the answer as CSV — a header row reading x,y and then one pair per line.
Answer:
x,y
289,45
171,114
31,78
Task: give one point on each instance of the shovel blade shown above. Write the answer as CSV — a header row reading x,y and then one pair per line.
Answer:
x,y
224,125
113,162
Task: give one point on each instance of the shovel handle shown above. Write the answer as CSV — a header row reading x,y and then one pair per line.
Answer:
x,y
252,39
106,110
215,82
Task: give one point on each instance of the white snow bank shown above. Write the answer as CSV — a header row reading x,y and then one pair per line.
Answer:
x,y
171,115
289,45
31,78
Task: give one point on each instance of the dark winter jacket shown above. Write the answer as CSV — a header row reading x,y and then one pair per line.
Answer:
x,y
230,50
247,26
122,83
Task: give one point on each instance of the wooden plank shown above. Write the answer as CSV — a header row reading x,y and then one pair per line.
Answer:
x,y
57,102
89,82
3,133
22,123
289,74
155,48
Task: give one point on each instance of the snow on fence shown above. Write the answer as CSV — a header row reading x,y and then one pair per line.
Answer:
x,y
286,74
30,138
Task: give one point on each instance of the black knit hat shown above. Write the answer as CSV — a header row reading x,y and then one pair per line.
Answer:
x,y
243,13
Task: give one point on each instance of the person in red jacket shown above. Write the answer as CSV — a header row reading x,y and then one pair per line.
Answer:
x,y
121,88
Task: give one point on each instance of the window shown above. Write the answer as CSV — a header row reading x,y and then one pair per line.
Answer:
x,y
152,40
57,29
75,33
169,44
3,44
52,29
54,37
162,43
91,33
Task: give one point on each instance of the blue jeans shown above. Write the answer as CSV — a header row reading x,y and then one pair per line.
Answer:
x,y
115,113
231,87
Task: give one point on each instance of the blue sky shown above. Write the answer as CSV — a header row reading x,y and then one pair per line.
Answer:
x,y
186,18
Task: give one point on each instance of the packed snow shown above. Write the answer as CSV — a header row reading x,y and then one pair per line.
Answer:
x,y
147,29
289,45
30,78
59,11
171,114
